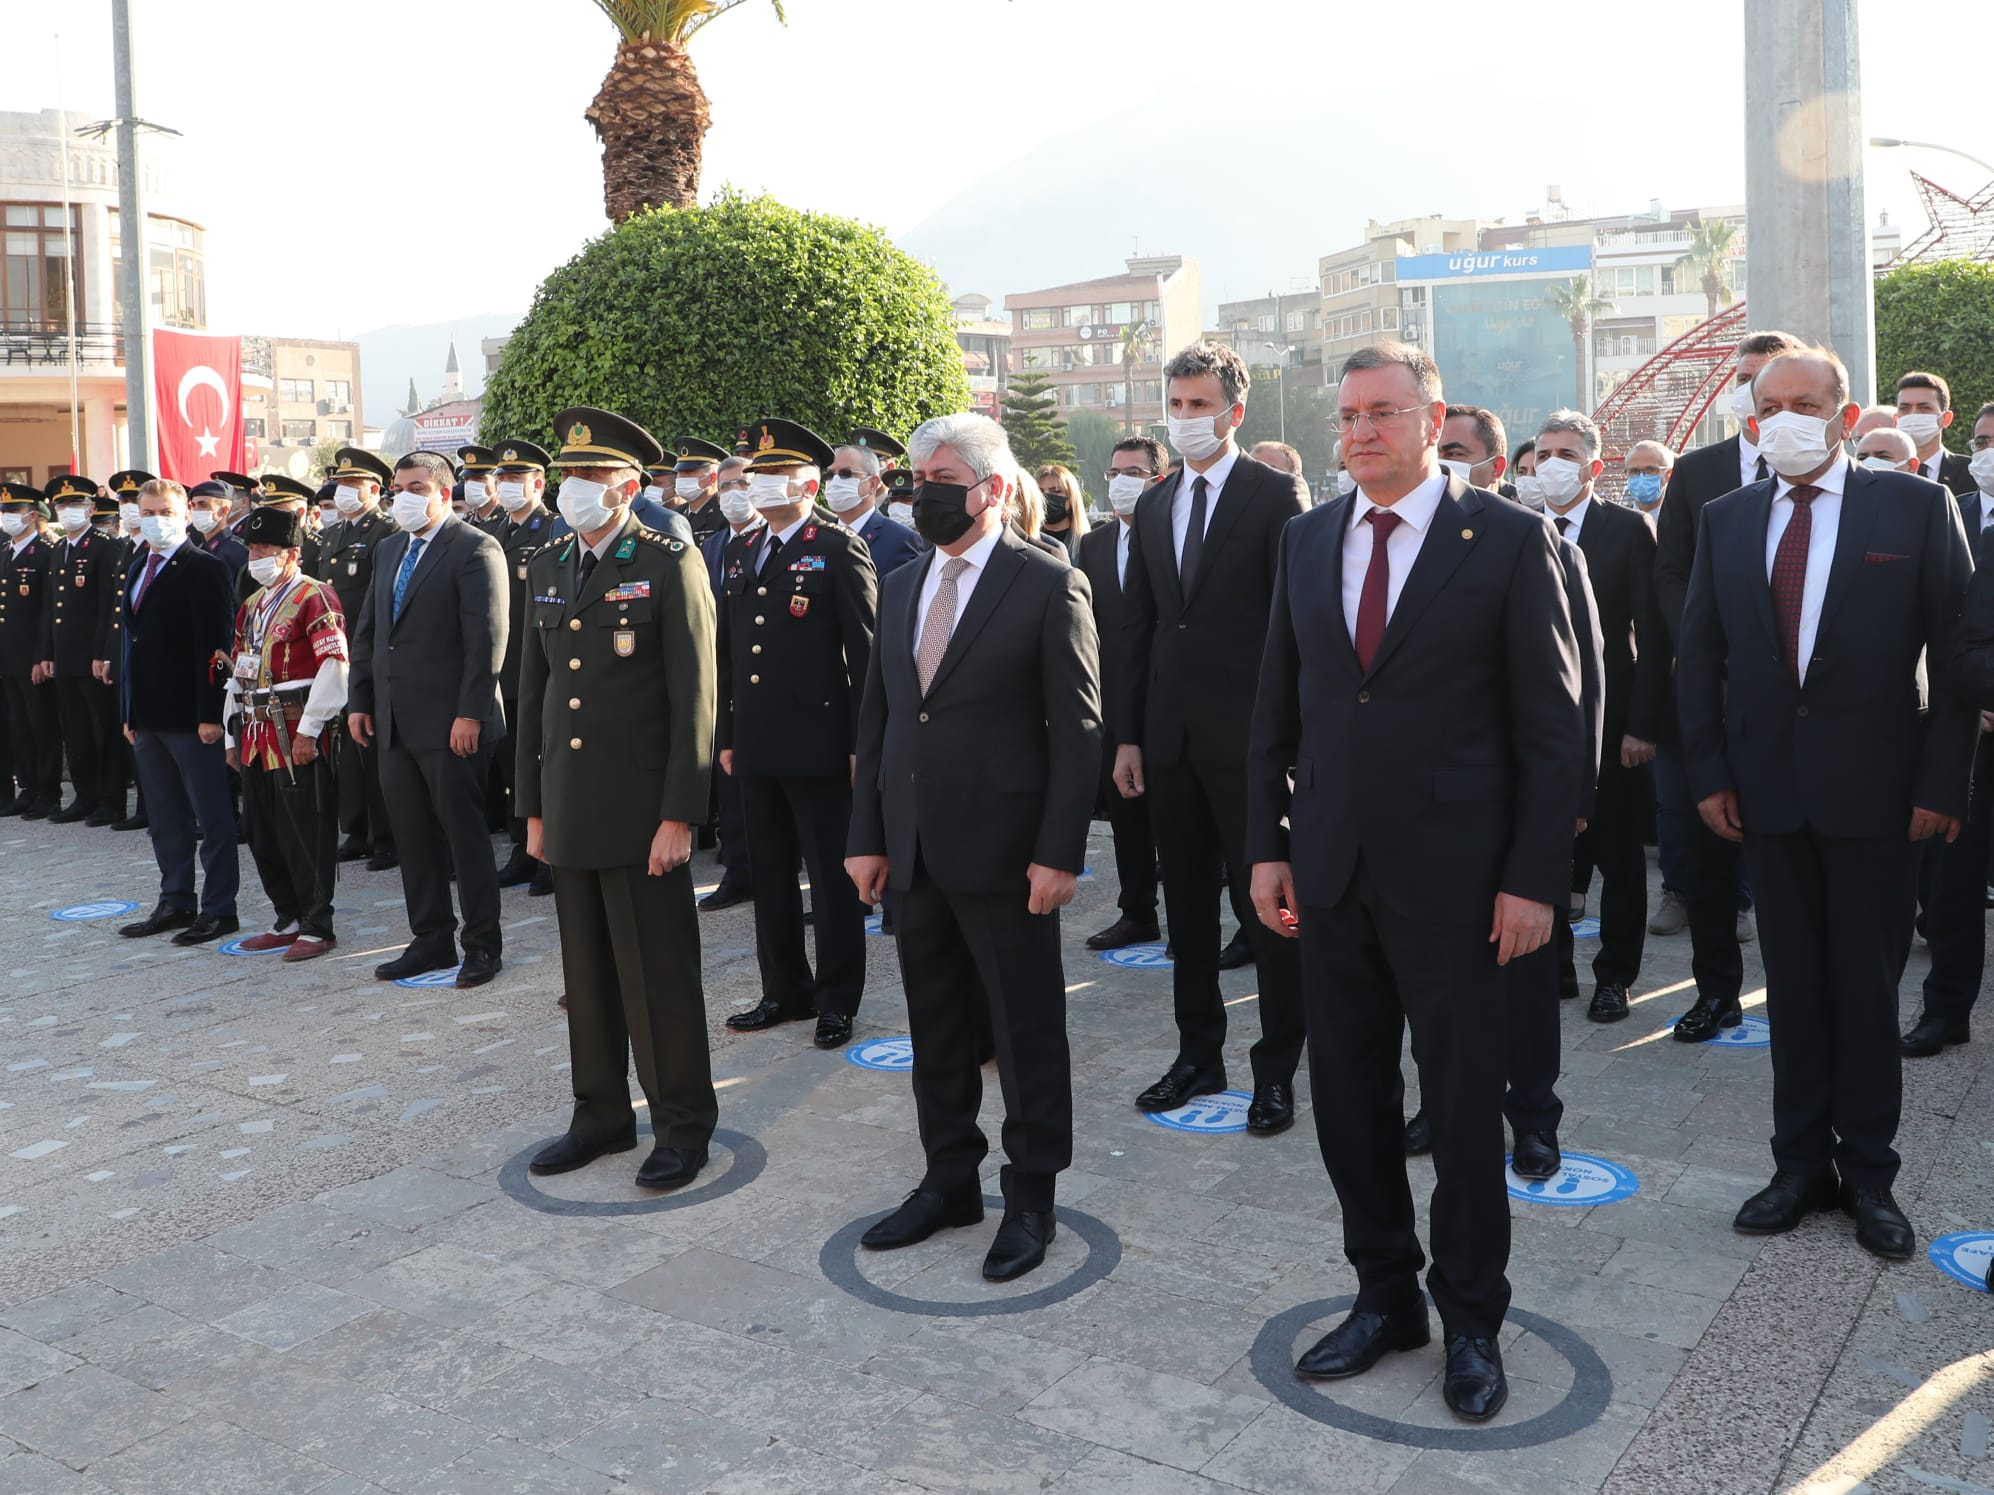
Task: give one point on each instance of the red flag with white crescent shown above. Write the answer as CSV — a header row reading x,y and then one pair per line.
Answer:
x,y
197,389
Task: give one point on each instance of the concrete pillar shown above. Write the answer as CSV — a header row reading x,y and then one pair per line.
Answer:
x,y
1807,258
100,435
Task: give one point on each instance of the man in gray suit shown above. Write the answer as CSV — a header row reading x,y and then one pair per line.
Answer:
x,y
427,647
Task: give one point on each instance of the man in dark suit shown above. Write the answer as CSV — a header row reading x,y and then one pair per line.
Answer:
x,y
179,613
1104,558
1619,549
1924,413
1956,895
855,487
978,746
1716,889
1805,730
1421,691
427,646
1202,555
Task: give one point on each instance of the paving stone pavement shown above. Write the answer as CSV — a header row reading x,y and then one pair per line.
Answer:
x,y
257,1234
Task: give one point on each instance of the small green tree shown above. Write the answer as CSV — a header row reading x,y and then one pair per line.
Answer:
x,y
1939,317
695,322
325,457
1031,421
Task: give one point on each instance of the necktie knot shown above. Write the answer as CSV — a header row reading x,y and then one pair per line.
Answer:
x,y
1563,524
1382,522
954,569
1803,493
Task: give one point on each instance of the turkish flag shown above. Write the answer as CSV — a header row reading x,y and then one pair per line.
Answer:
x,y
197,391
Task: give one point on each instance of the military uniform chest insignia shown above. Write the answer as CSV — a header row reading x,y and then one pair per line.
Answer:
x,y
808,563
625,642
809,532
799,605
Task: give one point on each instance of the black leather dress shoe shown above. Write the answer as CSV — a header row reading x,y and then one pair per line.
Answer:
x,y
106,817
1124,932
920,1215
833,1031
567,1153
727,895
1474,1386
1784,1203
353,849
138,822
384,861
74,811
542,885
207,927
1536,1155
1931,1033
1881,1228
39,809
479,967
518,869
1568,988
1701,1022
158,921
766,1014
1272,1111
1609,1003
670,1168
1418,1135
416,961
1020,1244
1180,1083
18,805
1361,1341
1237,954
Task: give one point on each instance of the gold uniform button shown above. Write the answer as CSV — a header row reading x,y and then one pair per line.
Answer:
x,y
754,679
575,624
574,703
574,664
758,620
574,742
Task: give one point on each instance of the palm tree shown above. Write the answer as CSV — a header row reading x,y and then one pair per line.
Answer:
x,y
1138,346
650,113
1579,306
1711,246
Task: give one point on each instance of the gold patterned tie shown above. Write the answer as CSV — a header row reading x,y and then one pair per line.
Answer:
x,y
939,623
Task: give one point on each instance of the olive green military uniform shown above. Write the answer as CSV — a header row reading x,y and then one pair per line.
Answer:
x,y
346,561
616,700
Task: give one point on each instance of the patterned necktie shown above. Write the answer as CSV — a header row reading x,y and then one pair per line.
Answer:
x,y
1194,538
407,570
1789,574
145,582
939,624
1371,609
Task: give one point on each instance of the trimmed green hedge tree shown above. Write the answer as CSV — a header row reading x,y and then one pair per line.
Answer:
x,y
694,322
1939,317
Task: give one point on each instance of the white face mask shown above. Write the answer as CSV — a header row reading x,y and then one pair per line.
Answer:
x,y
411,511
686,488
74,519
1920,428
204,520
1346,482
582,506
348,500
1560,480
128,516
1124,491
266,569
654,493
736,507
1196,438
1794,444
512,497
1529,492
842,494
162,531
1878,462
1744,404
900,513
1459,469
769,490
1982,468
13,524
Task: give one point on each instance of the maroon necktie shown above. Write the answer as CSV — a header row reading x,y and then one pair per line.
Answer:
x,y
1371,601
145,582
1789,574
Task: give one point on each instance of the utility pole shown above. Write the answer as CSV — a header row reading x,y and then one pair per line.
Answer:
x,y
131,239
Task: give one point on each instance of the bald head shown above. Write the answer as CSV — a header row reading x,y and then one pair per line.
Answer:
x,y
1889,445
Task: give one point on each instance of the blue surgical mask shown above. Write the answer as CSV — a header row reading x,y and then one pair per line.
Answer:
x,y
1644,488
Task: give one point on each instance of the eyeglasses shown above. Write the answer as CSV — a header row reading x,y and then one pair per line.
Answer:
x,y
1346,420
1130,472
728,485
1981,443
844,472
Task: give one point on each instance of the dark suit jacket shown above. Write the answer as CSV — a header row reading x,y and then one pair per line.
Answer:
x,y
1185,671
892,544
1699,476
177,642
1619,546
440,660
1851,752
1956,475
1452,768
1592,666
1097,564
996,767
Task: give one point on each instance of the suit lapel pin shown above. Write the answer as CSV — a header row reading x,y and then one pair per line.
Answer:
x,y
1467,534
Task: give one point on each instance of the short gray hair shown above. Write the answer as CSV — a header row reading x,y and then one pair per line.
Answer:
x,y
1211,358
732,464
1668,457
977,439
1573,422
868,459
1425,372
1906,450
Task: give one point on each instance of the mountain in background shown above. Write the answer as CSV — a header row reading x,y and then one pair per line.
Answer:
x,y
391,356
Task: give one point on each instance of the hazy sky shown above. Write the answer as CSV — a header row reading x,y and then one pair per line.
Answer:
x,y
427,121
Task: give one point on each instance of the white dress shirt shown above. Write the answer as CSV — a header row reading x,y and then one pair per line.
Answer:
x,y
1415,512
1748,460
1574,517
1827,520
978,555
1180,501
428,539
781,537
1931,465
1122,527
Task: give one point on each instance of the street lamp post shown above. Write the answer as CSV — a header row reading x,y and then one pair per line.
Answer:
x,y
1281,372
1885,142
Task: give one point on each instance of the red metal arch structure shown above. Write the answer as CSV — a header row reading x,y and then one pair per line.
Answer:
x,y
1665,398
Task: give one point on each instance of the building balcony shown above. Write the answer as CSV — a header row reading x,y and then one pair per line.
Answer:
x,y
39,348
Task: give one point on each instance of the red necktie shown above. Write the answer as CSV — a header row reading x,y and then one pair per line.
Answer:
x,y
1371,601
145,582
1789,574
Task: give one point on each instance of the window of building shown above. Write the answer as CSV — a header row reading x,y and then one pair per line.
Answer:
x,y
339,392
252,426
1036,319
1388,318
35,288
1082,316
300,430
296,391
339,430
1294,321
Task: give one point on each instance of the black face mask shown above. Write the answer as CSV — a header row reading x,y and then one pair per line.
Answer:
x,y
1056,508
941,512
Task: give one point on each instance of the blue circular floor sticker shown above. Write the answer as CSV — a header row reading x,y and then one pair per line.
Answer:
x,y
431,978
107,908
875,924
893,1054
1963,1256
1586,929
1223,1112
234,947
1584,1180
1752,1033
1148,957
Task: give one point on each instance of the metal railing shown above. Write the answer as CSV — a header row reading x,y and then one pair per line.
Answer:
x,y
46,345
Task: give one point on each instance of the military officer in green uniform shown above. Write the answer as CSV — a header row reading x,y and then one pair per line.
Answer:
x,y
521,479
346,559
616,691
695,481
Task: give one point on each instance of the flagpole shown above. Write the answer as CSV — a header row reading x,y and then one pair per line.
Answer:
x,y
132,242
73,252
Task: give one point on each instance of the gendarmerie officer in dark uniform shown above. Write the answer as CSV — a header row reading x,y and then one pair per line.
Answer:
x,y
477,465
798,604
346,559
520,472
32,730
696,484
615,741
208,527
82,568
119,506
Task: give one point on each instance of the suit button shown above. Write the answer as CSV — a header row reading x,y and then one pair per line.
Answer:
x,y
1363,698
754,679
756,650
1802,711
574,703
573,664
924,716
761,591
574,742
575,624
758,620
1181,625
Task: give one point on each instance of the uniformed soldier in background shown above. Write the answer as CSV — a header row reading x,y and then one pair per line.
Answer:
x,y
346,559
121,496
208,508
241,491
114,767
695,482
481,505
899,497
279,491
82,567
616,709
730,826
521,481
34,737
799,599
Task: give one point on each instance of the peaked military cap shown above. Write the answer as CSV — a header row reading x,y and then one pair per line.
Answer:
x,y
278,489
692,452
13,495
521,456
358,462
129,481
602,438
775,443
240,481
876,442
476,460
104,505
899,484
69,485
661,473
209,489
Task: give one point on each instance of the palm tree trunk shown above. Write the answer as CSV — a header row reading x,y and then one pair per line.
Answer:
x,y
651,117
1579,372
